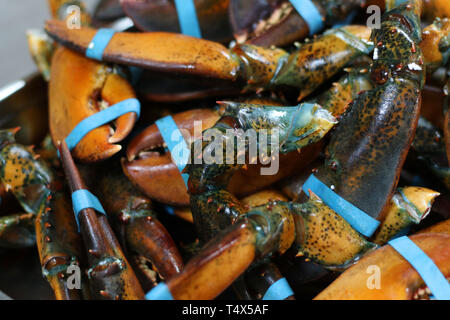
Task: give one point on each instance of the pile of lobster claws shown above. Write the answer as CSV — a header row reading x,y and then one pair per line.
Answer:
x,y
80,87
375,115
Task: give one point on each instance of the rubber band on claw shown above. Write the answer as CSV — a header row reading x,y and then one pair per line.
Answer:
x,y
279,290
308,11
84,199
99,43
100,118
427,269
160,292
358,219
175,143
187,16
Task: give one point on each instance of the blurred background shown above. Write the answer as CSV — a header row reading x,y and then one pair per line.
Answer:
x,y
15,18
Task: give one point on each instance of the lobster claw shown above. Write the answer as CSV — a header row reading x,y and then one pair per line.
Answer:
x,y
157,51
110,275
80,87
155,173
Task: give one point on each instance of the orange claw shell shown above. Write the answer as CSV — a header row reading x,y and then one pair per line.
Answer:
x,y
80,87
399,280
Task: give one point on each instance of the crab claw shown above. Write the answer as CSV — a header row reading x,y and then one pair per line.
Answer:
x,y
155,173
79,88
399,280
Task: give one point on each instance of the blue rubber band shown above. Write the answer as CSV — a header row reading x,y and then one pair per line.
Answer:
x,y
308,11
160,292
99,43
100,118
175,143
279,290
427,269
187,16
83,199
358,219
